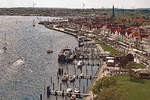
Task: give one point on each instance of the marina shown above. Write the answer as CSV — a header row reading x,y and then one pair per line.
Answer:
x,y
33,53
74,50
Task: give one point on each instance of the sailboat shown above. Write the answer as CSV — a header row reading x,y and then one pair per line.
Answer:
x,y
33,23
49,51
34,12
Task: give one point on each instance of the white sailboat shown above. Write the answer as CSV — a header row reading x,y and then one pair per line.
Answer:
x,y
33,23
34,12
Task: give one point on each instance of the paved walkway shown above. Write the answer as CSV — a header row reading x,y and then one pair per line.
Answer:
x,y
101,74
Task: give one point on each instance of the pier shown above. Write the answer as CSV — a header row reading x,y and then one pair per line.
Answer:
x,y
88,53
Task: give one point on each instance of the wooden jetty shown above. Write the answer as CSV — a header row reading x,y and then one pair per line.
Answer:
x,y
81,76
65,93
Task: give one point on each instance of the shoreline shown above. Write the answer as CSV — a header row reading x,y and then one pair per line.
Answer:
x,y
102,66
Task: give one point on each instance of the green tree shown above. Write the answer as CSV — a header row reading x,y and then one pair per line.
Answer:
x,y
129,66
123,61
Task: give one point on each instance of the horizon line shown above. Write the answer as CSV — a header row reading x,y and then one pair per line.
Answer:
x,y
70,8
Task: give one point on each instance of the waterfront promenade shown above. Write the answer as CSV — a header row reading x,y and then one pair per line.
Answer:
x,y
101,72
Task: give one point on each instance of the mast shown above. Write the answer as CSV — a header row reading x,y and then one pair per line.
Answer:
x,y
5,44
34,12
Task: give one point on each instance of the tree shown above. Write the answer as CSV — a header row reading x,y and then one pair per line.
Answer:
x,y
129,66
113,93
105,82
123,61
130,57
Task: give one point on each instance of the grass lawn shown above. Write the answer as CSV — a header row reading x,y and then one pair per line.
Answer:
x,y
139,65
108,48
137,89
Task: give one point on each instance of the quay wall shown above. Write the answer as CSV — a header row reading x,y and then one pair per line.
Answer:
x,y
99,71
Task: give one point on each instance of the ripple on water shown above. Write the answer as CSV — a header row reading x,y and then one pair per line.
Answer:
x,y
25,79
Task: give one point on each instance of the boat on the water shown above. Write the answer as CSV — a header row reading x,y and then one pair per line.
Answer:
x,y
66,56
49,51
72,78
65,77
80,64
19,62
73,97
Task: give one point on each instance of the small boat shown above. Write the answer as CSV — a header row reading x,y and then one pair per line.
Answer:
x,y
60,71
76,90
65,77
33,23
66,56
80,64
72,78
49,51
81,75
69,90
19,62
4,48
73,97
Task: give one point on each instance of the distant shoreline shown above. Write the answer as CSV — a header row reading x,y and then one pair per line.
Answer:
x,y
99,72
63,12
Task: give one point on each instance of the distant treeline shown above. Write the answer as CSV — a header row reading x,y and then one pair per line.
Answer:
x,y
64,11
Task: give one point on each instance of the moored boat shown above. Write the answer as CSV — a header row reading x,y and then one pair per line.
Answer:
x,y
66,56
49,51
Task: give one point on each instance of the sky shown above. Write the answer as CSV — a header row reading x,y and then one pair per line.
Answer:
x,y
76,3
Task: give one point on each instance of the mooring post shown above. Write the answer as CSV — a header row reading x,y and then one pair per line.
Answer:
x,y
67,84
58,79
86,70
60,86
83,88
67,69
63,93
92,70
51,80
81,69
53,86
40,96
75,70
87,82
79,82
56,97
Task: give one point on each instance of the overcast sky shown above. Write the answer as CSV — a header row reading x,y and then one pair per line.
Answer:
x,y
77,3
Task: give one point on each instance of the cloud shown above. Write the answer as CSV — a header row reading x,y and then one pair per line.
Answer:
x,y
77,3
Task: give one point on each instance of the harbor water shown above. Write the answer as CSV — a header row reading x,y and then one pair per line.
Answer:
x,y
25,67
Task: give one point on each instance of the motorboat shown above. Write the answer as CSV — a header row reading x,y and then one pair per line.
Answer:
x,y
72,78
66,56
49,51
65,77
80,64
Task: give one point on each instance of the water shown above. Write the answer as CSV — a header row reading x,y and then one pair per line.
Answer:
x,y
26,68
